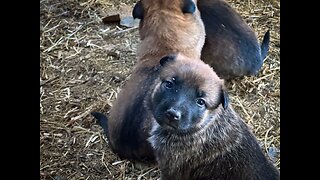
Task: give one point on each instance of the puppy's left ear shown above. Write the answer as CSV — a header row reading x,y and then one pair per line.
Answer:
x,y
224,98
167,59
188,6
137,11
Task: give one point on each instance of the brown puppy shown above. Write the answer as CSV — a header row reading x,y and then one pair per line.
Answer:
x,y
196,134
169,26
130,119
231,46
166,27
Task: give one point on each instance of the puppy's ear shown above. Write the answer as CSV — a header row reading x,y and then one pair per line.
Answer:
x,y
188,6
224,98
167,59
137,11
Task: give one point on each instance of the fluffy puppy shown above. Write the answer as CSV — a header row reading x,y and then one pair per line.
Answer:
x,y
231,46
130,119
195,132
166,27
169,26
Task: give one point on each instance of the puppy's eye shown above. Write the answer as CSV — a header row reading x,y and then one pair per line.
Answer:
x,y
201,102
168,84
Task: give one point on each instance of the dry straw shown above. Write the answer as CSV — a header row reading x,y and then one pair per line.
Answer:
x,y
83,65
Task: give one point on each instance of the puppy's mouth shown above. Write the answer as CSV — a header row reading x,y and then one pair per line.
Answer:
x,y
171,125
175,126
177,129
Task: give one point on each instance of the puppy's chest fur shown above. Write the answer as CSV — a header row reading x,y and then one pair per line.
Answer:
x,y
184,154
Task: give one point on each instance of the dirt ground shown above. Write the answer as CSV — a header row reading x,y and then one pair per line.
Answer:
x,y
83,65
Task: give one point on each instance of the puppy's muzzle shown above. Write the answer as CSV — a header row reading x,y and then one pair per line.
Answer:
x,y
173,117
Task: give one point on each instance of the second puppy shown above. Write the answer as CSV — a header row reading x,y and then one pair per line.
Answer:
x,y
231,46
130,120
166,27
169,26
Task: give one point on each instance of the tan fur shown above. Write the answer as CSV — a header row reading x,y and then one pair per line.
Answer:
x,y
166,30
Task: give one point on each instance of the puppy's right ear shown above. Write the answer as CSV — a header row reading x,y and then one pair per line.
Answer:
x,y
224,98
188,6
138,11
167,59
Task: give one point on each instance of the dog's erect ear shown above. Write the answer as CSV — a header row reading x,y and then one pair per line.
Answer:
x,y
137,11
188,6
167,59
224,98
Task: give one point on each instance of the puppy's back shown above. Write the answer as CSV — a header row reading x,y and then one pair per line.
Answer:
x,y
127,123
168,27
231,46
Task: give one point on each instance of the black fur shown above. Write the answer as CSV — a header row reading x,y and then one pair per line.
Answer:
x,y
224,99
245,162
102,120
132,130
132,134
226,150
165,59
137,12
188,7
179,100
265,45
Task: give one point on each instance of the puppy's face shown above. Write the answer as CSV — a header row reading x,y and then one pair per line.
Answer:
x,y
176,20
187,95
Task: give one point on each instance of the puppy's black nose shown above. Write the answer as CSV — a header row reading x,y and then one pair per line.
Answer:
x,y
173,115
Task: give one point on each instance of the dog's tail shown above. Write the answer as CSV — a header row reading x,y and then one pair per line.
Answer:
x,y
265,45
102,120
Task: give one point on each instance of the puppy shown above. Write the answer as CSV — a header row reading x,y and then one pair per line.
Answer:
x,y
128,124
169,26
195,133
130,120
231,46
166,27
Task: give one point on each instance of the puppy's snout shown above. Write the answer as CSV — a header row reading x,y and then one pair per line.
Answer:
x,y
173,116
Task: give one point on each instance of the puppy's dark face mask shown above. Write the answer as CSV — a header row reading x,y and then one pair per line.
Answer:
x,y
185,100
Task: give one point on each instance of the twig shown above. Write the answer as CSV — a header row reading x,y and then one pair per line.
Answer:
x,y
265,139
72,55
123,31
46,24
73,119
117,162
263,77
245,111
91,139
139,177
102,160
61,40
70,111
52,28
83,114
